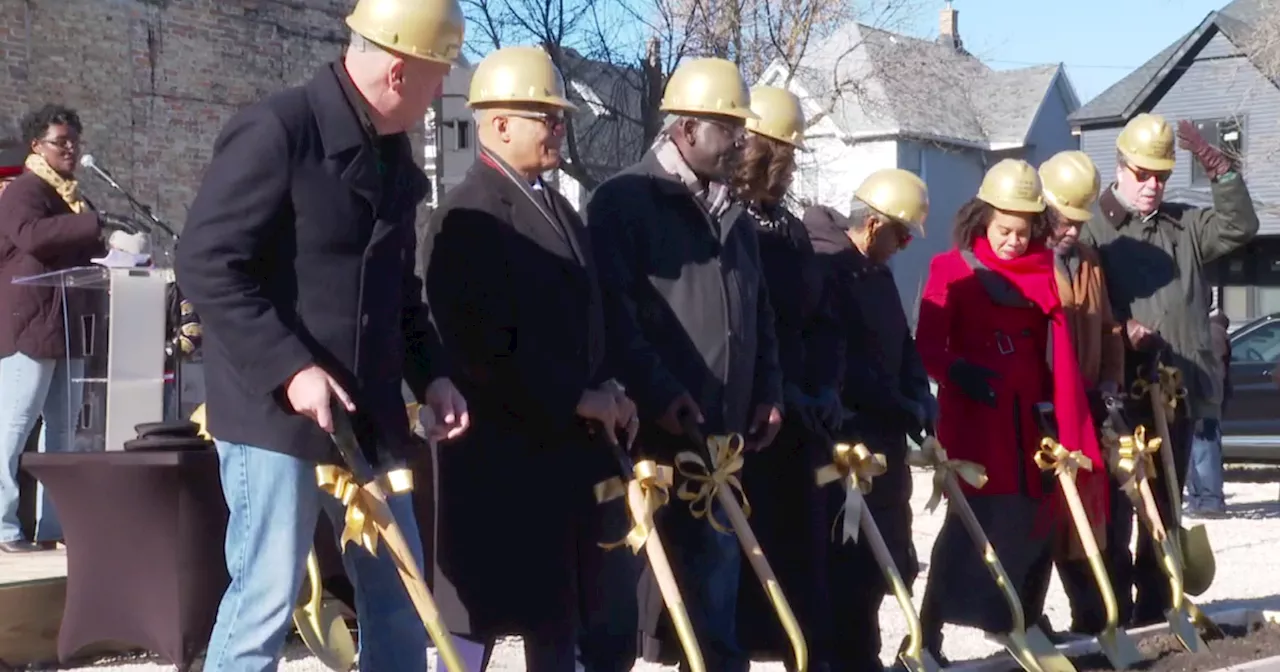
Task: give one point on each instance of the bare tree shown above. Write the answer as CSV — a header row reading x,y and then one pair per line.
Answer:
x,y
617,55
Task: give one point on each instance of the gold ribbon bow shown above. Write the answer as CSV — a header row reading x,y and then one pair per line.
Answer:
x,y
1136,451
932,454
857,466
702,483
360,525
1169,378
1054,456
653,480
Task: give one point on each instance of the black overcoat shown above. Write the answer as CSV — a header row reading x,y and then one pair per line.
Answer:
x,y
298,249
510,275
686,310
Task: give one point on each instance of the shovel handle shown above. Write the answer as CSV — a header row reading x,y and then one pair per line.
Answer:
x,y
667,586
871,532
768,580
344,439
1158,409
1085,531
689,422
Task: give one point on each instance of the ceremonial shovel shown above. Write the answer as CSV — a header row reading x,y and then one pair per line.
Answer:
x,y
1028,645
366,503
857,466
638,493
1164,385
718,475
1118,646
1134,453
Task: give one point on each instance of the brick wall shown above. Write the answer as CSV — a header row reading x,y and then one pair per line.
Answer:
x,y
155,80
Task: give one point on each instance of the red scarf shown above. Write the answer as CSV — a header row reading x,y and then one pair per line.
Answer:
x,y
1033,275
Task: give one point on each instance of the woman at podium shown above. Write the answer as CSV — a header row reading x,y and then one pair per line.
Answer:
x,y
45,226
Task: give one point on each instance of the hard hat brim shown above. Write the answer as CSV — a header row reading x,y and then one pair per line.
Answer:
x,y
680,110
557,102
798,144
1148,163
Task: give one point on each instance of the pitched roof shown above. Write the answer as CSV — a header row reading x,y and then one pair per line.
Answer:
x,y
1122,99
874,82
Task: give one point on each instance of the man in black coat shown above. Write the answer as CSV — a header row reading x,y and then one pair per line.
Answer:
x,y
511,277
298,254
690,324
881,380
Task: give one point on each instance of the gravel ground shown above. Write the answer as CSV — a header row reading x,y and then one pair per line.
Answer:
x,y
1246,545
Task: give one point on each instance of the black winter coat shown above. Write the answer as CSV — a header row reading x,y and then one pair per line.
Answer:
x,y
512,281
298,249
686,307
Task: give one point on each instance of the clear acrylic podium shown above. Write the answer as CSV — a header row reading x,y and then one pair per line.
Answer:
x,y
115,325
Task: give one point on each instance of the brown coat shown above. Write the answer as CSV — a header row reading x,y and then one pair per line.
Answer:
x,y
39,234
1098,337
1099,345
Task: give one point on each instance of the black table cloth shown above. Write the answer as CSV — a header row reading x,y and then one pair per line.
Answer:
x,y
144,534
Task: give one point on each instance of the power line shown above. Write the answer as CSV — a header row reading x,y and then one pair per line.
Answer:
x,y
1069,65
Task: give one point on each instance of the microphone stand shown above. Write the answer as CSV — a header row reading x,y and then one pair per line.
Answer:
x,y
173,350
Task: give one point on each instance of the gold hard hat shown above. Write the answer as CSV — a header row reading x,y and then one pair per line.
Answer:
x,y
518,75
780,115
707,86
428,29
1070,182
896,193
1013,185
1147,142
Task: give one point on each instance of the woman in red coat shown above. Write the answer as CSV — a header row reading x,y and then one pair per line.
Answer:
x,y
989,322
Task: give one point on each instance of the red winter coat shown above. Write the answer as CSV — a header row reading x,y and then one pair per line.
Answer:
x,y
959,320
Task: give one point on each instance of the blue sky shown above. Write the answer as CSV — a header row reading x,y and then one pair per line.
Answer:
x,y
1100,41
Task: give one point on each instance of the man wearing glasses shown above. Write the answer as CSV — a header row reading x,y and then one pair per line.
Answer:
x,y
690,327
512,283
1153,255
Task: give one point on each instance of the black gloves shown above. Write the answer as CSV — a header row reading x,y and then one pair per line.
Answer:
x,y
974,381
823,412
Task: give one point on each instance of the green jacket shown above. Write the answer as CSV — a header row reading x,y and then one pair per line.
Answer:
x,y
1154,272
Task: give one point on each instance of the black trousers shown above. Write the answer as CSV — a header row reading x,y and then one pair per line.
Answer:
x,y
858,586
608,634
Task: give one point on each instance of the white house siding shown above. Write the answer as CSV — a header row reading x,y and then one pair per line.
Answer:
x,y
952,177
830,172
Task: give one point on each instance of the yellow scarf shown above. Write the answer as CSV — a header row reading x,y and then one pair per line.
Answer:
x,y
69,190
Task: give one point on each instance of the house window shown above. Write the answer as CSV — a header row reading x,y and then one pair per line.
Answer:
x,y
1226,134
462,135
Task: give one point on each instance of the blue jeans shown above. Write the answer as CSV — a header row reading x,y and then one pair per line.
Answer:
x,y
273,505
1204,475
31,389
712,561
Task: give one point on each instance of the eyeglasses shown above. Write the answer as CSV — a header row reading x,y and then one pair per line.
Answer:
x,y
1143,175
553,122
62,143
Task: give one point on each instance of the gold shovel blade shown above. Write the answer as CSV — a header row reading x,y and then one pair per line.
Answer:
x,y
1119,648
1016,644
1198,564
1046,654
924,662
1180,626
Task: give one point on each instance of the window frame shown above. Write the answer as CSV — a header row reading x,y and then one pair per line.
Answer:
x,y
1215,137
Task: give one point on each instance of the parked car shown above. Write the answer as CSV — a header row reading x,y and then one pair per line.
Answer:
x,y
1251,425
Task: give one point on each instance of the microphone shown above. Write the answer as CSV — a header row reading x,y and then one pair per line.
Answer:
x,y
87,161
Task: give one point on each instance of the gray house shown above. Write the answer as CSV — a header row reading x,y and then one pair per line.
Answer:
x,y
1220,75
876,99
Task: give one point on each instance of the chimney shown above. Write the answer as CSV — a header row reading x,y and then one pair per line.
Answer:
x,y
948,28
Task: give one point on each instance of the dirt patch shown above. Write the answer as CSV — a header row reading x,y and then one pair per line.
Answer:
x,y
1165,653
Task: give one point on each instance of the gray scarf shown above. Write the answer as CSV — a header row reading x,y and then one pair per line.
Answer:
x,y
715,198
